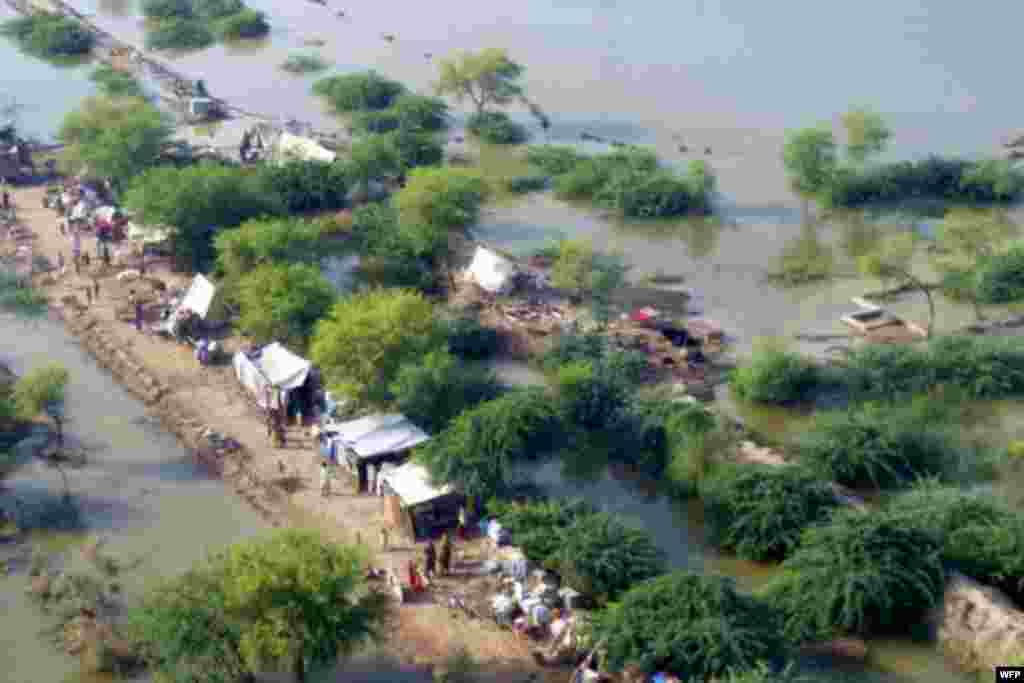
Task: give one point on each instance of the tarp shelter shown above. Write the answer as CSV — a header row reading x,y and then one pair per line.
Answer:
x,y
375,440
199,296
492,271
291,147
274,368
422,507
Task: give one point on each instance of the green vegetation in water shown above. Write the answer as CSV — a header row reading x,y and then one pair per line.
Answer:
x,y
630,181
304,64
760,511
867,573
803,261
197,24
49,36
496,128
775,374
366,91
524,184
20,298
115,83
439,388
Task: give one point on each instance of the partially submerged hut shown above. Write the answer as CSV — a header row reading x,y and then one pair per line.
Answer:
x,y
414,504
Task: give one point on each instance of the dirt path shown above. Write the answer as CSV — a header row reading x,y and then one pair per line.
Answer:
x,y
189,399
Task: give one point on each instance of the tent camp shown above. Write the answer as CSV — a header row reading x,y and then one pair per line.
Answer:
x,y
414,504
374,440
492,271
272,367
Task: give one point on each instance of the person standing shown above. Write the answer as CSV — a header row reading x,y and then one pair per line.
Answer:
x,y
76,250
325,480
138,319
446,554
384,539
462,523
430,559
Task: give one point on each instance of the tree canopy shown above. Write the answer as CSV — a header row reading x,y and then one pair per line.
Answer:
x,y
775,374
809,156
486,78
283,302
697,627
49,35
434,390
866,133
114,138
42,392
359,91
258,242
197,202
448,198
365,338
891,261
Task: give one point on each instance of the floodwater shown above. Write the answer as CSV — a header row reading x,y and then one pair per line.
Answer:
x,y
140,491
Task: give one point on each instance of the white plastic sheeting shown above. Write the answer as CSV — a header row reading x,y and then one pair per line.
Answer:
x,y
199,296
148,234
276,367
379,435
492,271
412,484
304,149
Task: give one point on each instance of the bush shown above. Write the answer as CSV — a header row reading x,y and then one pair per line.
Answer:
x,y
216,9
115,83
167,9
496,128
775,375
435,390
254,243
760,512
247,23
537,526
416,148
860,574
307,185
602,557
641,194
467,338
553,159
583,181
359,92
480,447
696,627
524,184
283,302
179,34
304,64
49,35
1000,279
877,446
376,121
591,397
420,112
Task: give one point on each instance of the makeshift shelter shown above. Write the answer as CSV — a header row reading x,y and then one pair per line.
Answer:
x,y
274,368
492,271
373,441
414,504
290,147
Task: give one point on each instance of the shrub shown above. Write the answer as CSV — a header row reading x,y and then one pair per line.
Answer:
x,y
376,121
115,83
674,439
1000,279
307,185
496,128
984,367
524,184
602,557
641,194
421,112
759,512
697,627
877,446
553,159
859,574
537,526
179,34
435,390
480,447
304,64
258,242
49,35
359,92
591,397
572,347
283,302
416,148
467,338
248,23
394,257
167,9
774,375
583,181
216,9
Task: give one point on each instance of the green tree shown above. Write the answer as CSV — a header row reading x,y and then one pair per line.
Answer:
x,y
433,391
420,112
867,573
372,158
308,185
114,138
759,512
592,396
283,302
43,392
302,600
365,338
448,198
574,267
697,627
538,525
891,262
809,156
185,631
486,78
49,36
866,134
259,242
115,83
24,301
775,375
968,237
480,447
196,202
398,255
359,92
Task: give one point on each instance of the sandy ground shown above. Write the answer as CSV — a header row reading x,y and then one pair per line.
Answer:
x,y
426,632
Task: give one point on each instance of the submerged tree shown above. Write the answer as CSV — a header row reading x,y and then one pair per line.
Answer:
x,y
42,392
968,238
809,156
486,78
866,134
892,262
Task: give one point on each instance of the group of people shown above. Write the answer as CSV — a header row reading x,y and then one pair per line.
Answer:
x,y
433,563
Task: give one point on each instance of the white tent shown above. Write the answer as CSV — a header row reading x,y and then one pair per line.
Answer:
x,y
305,149
492,271
411,483
199,296
376,435
275,367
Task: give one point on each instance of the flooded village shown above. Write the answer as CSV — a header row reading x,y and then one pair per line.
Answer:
x,y
333,351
